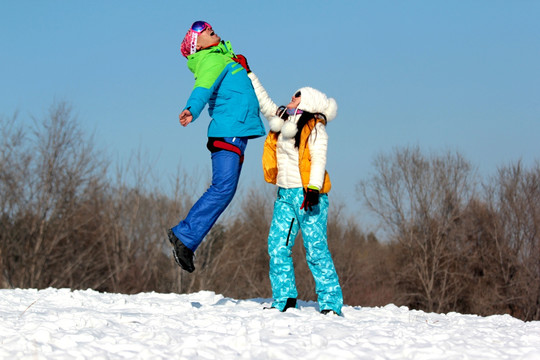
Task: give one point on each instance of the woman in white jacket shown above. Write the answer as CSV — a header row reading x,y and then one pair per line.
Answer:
x,y
294,159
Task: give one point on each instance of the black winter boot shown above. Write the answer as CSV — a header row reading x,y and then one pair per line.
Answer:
x,y
328,312
291,303
182,254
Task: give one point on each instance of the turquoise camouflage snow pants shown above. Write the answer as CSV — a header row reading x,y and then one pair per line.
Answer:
x,y
287,220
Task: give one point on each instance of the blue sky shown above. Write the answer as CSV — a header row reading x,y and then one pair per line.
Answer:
x,y
444,75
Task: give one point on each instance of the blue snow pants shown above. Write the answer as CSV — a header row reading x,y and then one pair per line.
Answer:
x,y
287,220
226,168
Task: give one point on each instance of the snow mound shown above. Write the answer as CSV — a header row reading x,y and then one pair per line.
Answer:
x,y
65,324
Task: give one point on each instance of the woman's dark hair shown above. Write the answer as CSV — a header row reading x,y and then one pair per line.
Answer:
x,y
304,118
282,112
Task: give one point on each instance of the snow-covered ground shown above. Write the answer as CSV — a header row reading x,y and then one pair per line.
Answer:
x,y
64,324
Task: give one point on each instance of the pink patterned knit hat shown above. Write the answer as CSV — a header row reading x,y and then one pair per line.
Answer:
x,y
189,44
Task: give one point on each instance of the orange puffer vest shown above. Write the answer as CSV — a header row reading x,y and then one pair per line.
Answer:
x,y
269,158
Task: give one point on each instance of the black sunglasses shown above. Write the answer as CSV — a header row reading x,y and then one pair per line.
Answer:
x,y
298,94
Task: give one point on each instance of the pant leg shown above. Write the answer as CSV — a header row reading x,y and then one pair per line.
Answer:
x,y
283,231
226,169
313,225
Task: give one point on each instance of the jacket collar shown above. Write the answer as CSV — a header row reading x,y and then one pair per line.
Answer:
x,y
224,47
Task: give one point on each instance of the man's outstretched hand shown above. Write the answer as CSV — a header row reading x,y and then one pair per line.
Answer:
x,y
185,117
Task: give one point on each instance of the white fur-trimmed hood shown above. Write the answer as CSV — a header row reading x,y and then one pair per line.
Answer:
x,y
314,101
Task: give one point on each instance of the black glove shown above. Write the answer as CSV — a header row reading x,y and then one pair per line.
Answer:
x,y
311,198
241,59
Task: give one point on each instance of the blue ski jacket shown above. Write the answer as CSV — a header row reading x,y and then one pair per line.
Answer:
x,y
224,85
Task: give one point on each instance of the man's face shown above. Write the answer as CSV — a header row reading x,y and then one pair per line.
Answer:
x,y
207,38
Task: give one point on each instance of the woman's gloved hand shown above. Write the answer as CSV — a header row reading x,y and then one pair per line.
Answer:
x,y
241,59
311,198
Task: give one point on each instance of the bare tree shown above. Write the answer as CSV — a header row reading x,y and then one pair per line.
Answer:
x,y
14,169
420,200
53,174
514,196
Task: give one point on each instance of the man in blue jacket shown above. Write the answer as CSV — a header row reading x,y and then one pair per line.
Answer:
x,y
223,84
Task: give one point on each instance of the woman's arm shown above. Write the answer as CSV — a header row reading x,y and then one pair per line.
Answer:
x,y
268,107
318,145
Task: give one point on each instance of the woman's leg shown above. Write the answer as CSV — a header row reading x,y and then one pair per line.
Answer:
x,y
283,231
314,232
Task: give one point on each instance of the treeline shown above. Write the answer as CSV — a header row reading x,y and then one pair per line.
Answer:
x,y
448,242
458,244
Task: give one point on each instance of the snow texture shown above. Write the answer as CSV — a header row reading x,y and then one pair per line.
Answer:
x,y
65,324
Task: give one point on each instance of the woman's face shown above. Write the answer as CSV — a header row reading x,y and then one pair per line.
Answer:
x,y
295,100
